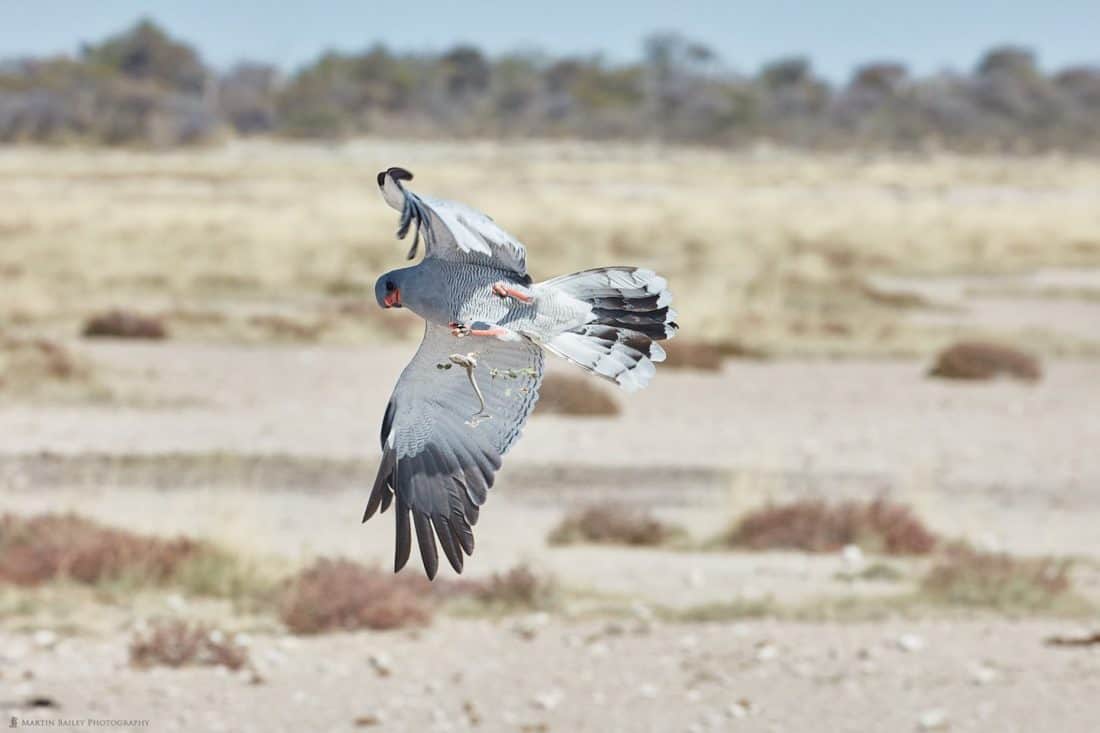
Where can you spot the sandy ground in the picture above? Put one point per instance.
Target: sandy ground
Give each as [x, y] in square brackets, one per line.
[622, 676]
[1003, 464]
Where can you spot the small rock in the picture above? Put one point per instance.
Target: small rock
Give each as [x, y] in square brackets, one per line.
[613, 628]
[598, 649]
[648, 691]
[367, 720]
[766, 651]
[473, 715]
[696, 579]
[529, 626]
[853, 558]
[982, 674]
[932, 720]
[738, 710]
[548, 700]
[45, 639]
[910, 642]
[381, 664]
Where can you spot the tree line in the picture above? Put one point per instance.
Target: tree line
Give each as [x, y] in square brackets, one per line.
[144, 87]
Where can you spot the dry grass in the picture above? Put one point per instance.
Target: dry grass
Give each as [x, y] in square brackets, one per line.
[41, 368]
[688, 354]
[614, 524]
[520, 588]
[973, 360]
[579, 396]
[283, 328]
[176, 643]
[336, 594]
[964, 576]
[49, 547]
[124, 324]
[774, 246]
[65, 547]
[813, 526]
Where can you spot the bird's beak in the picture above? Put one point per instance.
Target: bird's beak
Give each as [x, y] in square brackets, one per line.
[393, 300]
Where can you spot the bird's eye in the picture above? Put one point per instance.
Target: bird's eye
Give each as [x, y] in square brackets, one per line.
[389, 286]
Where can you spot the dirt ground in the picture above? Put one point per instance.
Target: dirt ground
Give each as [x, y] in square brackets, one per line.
[269, 450]
[622, 676]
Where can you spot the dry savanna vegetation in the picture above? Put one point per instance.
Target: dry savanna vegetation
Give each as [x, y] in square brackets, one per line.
[878, 526]
[771, 254]
[51, 553]
[614, 523]
[143, 85]
[979, 360]
[330, 594]
[179, 643]
[966, 577]
[69, 548]
[46, 369]
[335, 594]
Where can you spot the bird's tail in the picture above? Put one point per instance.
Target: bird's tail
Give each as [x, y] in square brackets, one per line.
[630, 313]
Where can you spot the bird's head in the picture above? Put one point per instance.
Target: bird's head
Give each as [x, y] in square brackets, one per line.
[389, 183]
[387, 290]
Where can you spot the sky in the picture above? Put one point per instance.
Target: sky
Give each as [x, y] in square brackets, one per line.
[927, 35]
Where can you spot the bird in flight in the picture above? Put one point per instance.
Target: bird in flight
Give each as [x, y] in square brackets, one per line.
[461, 402]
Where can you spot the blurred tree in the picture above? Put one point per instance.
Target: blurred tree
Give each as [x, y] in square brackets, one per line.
[142, 86]
[246, 98]
[147, 53]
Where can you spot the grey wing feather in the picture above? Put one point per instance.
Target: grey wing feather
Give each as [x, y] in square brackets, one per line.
[436, 461]
[454, 231]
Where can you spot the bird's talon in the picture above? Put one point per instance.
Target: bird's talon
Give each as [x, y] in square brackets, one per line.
[504, 290]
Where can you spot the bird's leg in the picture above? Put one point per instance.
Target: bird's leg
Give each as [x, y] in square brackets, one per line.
[509, 290]
[469, 363]
[481, 328]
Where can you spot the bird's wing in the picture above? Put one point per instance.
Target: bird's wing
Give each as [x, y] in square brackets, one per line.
[454, 231]
[439, 451]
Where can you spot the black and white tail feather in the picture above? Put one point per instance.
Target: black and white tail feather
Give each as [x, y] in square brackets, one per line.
[630, 313]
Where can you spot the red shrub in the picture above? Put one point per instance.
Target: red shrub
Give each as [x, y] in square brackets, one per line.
[178, 644]
[613, 523]
[41, 548]
[124, 324]
[813, 526]
[977, 360]
[335, 594]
